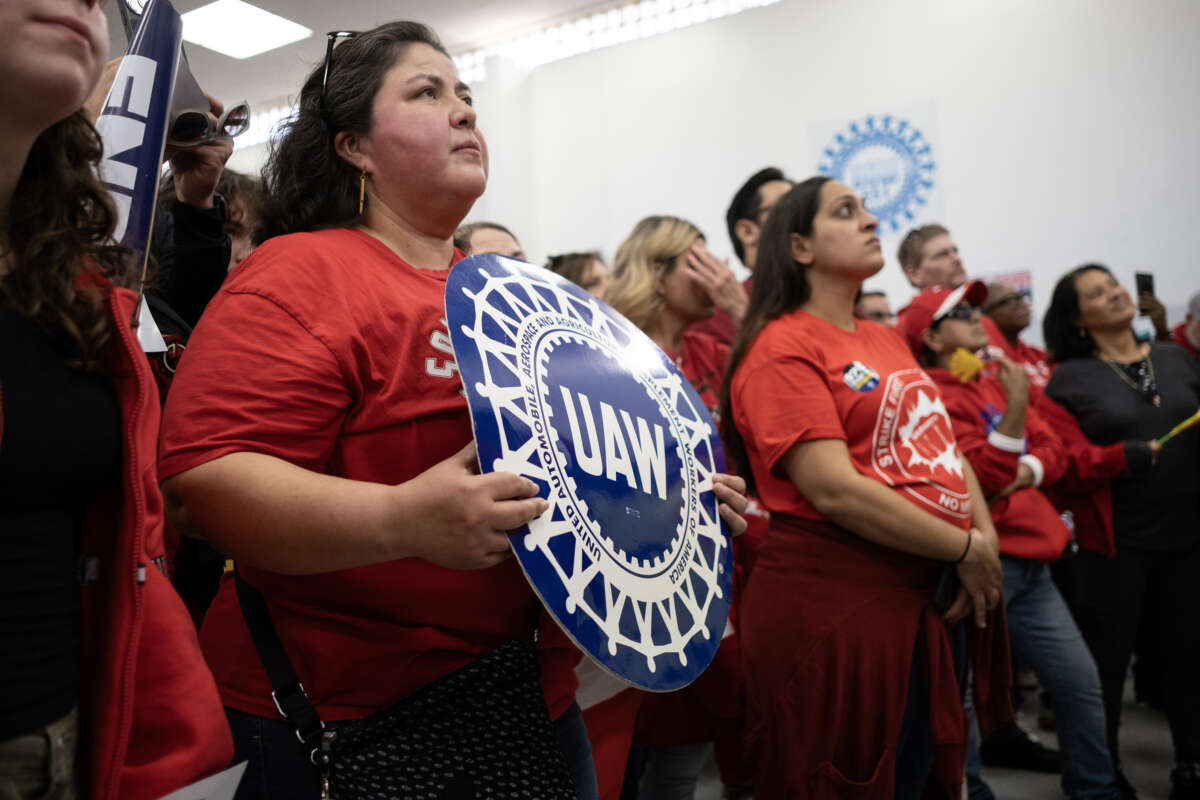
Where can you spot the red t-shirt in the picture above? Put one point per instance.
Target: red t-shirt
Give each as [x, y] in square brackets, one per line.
[702, 359]
[328, 351]
[1035, 360]
[804, 379]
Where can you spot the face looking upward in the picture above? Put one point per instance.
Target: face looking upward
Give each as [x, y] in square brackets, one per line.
[424, 158]
[843, 236]
[51, 56]
[1008, 309]
[950, 332]
[940, 265]
[1104, 304]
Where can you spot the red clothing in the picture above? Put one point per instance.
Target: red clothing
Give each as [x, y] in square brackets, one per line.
[829, 626]
[830, 620]
[1179, 334]
[327, 351]
[1084, 488]
[714, 703]
[1027, 524]
[1035, 360]
[806, 379]
[150, 718]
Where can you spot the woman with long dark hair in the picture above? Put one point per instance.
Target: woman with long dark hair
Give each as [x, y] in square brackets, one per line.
[1120, 390]
[98, 656]
[849, 669]
[317, 434]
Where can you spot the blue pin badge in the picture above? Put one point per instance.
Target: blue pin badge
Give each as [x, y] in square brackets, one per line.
[631, 557]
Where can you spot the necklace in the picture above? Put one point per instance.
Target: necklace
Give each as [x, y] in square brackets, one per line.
[1146, 384]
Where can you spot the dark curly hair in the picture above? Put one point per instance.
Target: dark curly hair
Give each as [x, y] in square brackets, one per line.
[780, 285]
[308, 185]
[60, 224]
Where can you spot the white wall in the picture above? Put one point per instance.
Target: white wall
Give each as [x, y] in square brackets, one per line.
[1067, 129]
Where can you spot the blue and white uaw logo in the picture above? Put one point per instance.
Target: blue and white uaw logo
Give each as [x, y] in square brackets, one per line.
[631, 557]
[886, 160]
[859, 377]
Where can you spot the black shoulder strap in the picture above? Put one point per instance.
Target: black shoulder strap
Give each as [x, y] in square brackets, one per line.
[289, 696]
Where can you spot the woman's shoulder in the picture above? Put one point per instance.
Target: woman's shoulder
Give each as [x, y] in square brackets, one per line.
[1072, 374]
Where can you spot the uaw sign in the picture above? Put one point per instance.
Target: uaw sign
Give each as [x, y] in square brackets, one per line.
[631, 557]
[133, 127]
[888, 158]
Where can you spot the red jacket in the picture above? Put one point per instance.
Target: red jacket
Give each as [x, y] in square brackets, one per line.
[1179, 334]
[151, 721]
[1026, 522]
[1084, 489]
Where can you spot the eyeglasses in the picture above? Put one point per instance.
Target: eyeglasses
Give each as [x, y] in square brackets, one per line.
[331, 40]
[1004, 301]
[962, 311]
[191, 128]
[880, 316]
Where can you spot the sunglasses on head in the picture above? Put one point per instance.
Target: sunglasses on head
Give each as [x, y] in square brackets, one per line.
[331, 39]
[190, 128]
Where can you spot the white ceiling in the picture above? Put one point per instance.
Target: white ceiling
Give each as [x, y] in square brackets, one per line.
[276, 75]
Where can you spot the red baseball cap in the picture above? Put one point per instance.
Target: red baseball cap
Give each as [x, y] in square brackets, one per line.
[932, 305]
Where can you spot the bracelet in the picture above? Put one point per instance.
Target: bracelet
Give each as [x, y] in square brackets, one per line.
[966, 549]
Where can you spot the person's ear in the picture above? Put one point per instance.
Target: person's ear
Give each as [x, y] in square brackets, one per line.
[747, 231]
[931, 340]
[910, 272]
[802, 249]
[351, 148]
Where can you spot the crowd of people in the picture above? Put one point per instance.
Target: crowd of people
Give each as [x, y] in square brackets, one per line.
[294, 551]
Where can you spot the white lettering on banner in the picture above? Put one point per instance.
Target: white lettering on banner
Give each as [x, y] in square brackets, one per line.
[648, 449]
[121, 130]
[440, 340]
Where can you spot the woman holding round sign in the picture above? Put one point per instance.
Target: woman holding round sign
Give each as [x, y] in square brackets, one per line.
[849, 670]
[318, 434]
[665, 280]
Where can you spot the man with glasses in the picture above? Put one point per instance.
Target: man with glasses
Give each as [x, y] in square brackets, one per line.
[875, 307]
[744, 220]
[1009, 310]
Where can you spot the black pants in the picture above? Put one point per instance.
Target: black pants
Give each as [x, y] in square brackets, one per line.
[1112, 598]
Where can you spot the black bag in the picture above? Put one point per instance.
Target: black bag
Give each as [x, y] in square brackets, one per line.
[480, 732]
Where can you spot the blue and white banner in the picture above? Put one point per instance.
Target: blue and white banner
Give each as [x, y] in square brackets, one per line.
[631, 557]
[890, 157]
[133, 126]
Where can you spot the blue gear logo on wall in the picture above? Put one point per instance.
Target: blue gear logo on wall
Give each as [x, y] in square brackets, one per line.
[631, 557]
[889, 162]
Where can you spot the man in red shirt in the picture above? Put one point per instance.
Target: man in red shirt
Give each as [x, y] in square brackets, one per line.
[744, 219]
[1013, 451]
[1010, 312]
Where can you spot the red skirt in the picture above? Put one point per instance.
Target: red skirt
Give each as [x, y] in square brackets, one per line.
[828, 630]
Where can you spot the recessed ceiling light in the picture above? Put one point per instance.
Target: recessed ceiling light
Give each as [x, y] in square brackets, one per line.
[239, 29]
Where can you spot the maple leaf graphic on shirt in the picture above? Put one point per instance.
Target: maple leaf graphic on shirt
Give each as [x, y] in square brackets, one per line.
[928, 442]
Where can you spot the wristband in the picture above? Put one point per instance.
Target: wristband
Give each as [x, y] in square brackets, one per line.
[966, 549]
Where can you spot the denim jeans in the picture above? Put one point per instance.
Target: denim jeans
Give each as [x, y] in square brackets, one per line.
[1044, 637]
[40, 765]
[280, 770]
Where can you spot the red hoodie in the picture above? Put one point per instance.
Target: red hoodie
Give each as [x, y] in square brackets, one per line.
[1026, 521]
[151, 720]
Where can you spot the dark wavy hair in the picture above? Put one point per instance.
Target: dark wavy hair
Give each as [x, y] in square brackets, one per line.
[1065, 338]
[60, 224]
[308, 186]
[780, 286]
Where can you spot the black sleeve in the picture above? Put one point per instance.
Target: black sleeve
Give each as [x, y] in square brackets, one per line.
[193, 256]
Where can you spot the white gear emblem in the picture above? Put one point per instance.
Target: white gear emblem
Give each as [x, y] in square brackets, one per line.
[651, 612]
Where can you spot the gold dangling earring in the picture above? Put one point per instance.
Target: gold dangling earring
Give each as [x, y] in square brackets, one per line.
[362, 191]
